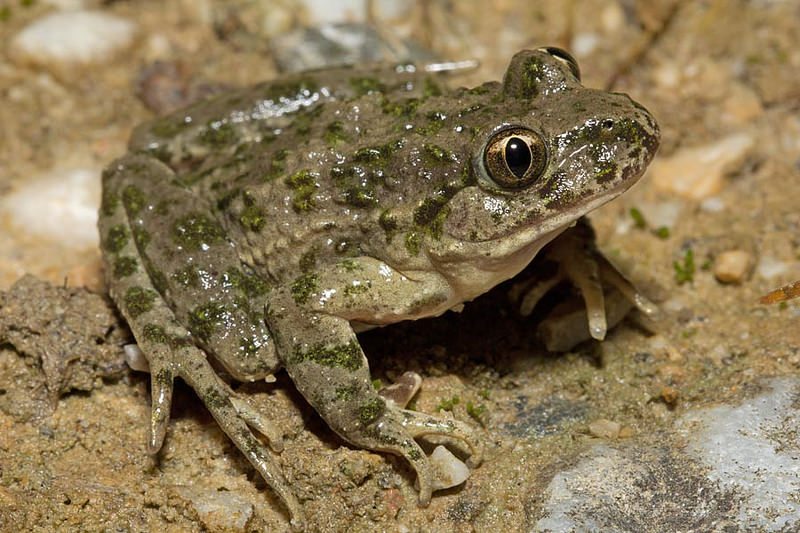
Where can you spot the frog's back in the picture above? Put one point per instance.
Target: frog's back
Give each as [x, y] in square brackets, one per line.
[322, 166]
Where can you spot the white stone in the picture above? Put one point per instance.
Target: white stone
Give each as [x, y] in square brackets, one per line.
[449, 471]
[769, 267]
[747, 449]
[61, 206]
[135, 358]
[698, 172]
[732, 266]
[73, 37]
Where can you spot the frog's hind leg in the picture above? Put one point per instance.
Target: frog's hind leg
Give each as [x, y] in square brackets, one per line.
[326, 363]
[143, 292]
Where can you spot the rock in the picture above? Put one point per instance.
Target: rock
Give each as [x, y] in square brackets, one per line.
[698, 173]
[73, 37]
[449, 471]
[732, 266]
[604, 429]
[69, 197]
[219, 510]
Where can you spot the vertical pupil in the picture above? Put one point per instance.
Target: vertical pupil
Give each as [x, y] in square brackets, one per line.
[518, 156]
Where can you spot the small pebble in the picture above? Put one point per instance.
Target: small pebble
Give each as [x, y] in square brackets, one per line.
[670, 395]
[732, 266]
[136, 358]
[605, 429]
[698, 173]
[73, 37]
[218, 510]
[449, 471]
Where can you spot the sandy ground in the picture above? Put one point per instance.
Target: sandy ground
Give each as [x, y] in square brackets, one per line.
[721, 77]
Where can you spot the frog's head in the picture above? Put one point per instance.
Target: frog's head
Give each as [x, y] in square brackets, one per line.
[558, 151]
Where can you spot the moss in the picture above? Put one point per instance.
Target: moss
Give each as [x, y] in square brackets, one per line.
[370, 410]
[303, 287]
[204, 319]
[533, 72]
[138, 301]
[194, 230]
[116, 238]
[347, 356]
[125, 266]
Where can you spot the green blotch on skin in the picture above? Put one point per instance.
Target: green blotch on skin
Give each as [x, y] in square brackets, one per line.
[430, 88]
[437, 155]
[254, 286]
[204, 319]
[225, 200]
[277, 165]
[376, 155]
[168, 127]
[154, 333]
[354, 289]
[134, 200]
[388, 222]
[194, 230]
[402, 108]
[370, 410]
[413, 243]
[116, 238]
[138, 301]
[360, 196]
[141, 237]
[334, 133]
[533, 72]
[307, 260]
[109, 202]
[346, 392]
[303, 287]
[125, 266]
[347, 356]
[253, 216]
[348, 265]
[248, 347]
[218, 135]
[606, 173]
[364, 85]
[188, 277]
[303, 183]
[426, 303]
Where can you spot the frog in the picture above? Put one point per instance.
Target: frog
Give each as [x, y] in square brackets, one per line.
[260, 230]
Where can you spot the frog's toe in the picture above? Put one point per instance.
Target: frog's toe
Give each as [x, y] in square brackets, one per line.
[161, 386]
[420, 425]
[259, 422]
[610, 275]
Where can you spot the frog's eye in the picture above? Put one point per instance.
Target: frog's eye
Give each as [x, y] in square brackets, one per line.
[515, 157]
[566, 58]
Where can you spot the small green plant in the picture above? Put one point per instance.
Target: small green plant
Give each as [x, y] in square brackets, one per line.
[685, 272]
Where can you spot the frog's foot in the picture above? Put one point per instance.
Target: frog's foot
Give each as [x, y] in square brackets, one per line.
[580, 263]
[395, 431]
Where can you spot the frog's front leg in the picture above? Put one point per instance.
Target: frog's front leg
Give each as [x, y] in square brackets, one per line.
[577, 260]
[310, 322]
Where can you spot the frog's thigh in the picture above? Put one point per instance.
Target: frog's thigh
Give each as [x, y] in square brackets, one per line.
[195, 268]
